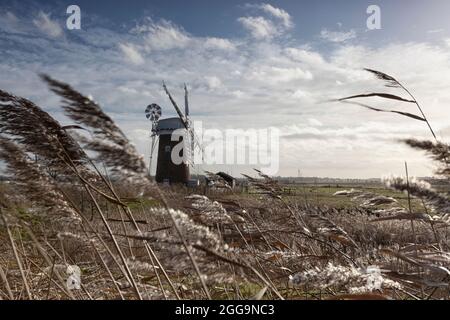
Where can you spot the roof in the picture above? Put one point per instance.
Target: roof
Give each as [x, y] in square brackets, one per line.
[225, 176]
[165, 126]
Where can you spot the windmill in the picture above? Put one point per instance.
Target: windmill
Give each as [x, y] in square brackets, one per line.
[167, 169]
[153, 113]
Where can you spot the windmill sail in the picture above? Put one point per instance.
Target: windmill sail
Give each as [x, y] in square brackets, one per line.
[186, 103]
[177, 109]
[191, 137]
[192, 140]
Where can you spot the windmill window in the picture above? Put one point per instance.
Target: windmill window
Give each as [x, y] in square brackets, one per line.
[167, 149]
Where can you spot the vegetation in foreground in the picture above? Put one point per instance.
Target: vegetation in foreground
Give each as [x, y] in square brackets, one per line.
[67, 214]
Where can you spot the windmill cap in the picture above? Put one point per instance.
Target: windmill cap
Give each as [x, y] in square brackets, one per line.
[168, 125]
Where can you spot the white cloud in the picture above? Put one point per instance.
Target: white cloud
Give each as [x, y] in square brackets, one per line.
[47, 25]
[315, 122]
[302, 96]
[278, 13]
[271, 74]
[305, 56]
[337, 36]
[8, 17]
[9, 22]
[219, 43]
[163, 35]
[259, 27]
[265, 28]
[213, 82]
[131, 53]
[435, 31]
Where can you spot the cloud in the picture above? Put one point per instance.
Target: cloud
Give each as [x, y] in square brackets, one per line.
[315, 122]
[278, 13]
[337, 36]
[47, 25]
[314, 129]
[213, 82]
[131, 53]
[435, 31]
[219, 43]
[266, 28]
[305, 56]
[8, 17]
[9, 22]
[274, 74]
[163, 35]
[259, 27]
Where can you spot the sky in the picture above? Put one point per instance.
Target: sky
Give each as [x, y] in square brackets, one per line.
[248, 65]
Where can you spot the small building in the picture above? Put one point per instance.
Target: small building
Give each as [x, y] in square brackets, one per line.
[193, 183]
[231, 181]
